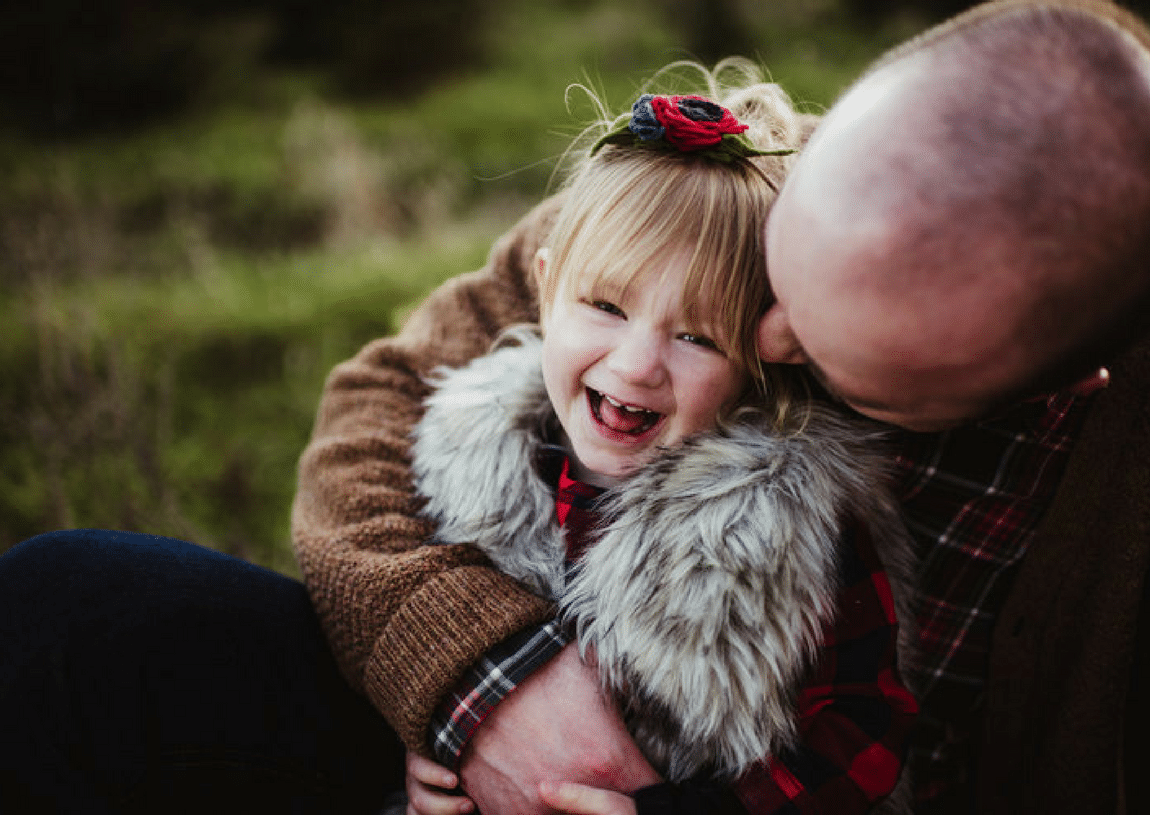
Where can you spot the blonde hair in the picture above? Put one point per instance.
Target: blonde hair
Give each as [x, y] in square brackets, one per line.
[626, 209]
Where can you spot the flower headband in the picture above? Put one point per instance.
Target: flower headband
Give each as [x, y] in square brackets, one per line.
[689, 124]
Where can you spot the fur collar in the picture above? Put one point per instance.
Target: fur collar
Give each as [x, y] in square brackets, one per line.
[704, 596]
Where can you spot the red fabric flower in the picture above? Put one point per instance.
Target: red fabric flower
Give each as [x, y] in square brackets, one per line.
[692, 122]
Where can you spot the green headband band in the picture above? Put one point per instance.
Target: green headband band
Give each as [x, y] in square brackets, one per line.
[686, 124]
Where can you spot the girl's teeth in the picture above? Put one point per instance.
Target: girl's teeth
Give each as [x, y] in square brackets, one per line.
[621, 406]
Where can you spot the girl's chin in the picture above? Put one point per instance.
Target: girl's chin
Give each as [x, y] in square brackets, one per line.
[605, 473]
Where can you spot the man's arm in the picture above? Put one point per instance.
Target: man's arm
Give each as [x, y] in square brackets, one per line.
[403, 619]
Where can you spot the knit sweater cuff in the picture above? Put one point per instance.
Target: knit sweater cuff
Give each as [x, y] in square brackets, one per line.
[443, 628]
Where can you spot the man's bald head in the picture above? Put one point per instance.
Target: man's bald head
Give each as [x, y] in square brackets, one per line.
[972, 219]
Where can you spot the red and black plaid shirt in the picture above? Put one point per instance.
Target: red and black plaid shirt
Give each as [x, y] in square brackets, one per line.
[854, 713]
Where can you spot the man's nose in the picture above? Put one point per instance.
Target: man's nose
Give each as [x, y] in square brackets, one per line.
[776, 341]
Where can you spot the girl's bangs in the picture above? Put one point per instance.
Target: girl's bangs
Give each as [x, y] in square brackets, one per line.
[630, 221]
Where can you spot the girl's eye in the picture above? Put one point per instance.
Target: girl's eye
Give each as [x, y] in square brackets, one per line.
[700, 340]
[610, 308]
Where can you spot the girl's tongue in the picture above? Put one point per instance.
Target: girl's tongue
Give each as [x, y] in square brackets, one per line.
[620, 419]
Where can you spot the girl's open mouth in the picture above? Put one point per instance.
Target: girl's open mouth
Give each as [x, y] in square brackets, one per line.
[619, 418]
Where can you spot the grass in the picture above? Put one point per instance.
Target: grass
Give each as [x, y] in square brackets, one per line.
[179, 404]
[172, 298]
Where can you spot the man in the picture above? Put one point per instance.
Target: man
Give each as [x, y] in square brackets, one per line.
[966, 230]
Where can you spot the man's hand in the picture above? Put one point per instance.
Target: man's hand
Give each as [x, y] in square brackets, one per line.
[557, 726]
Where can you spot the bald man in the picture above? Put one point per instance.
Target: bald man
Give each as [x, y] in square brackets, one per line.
[959, 251]
[971, 222]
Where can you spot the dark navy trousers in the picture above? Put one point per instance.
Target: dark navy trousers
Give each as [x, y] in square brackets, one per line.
[146, 674]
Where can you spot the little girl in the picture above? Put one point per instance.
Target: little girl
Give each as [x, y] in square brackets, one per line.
[706, 528]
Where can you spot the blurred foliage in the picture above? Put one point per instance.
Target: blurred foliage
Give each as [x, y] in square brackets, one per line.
[205, 205]
[73, 67]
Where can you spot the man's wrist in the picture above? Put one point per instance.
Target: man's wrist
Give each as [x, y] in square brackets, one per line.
[486, 683]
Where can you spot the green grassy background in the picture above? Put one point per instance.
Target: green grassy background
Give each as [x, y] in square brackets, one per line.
[172, 297]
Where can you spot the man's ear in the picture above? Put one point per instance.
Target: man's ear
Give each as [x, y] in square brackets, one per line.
[1090, 384]
[775, 341]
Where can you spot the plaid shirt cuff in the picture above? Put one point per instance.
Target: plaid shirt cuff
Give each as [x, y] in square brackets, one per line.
[486, 683]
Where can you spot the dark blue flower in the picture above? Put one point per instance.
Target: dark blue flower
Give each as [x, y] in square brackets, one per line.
[700, 110]
[644, 123]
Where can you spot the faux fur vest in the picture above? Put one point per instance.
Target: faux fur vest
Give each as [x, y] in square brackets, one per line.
[704, 594]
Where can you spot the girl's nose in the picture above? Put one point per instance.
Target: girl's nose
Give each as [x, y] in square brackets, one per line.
[639, 359]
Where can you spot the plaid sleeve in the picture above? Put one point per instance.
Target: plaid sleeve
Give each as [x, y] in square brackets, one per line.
[486, 683]
[855, 715]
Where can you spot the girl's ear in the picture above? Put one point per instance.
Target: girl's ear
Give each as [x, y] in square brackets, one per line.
[539, 266]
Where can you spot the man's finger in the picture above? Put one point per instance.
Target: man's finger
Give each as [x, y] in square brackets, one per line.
[579, 799]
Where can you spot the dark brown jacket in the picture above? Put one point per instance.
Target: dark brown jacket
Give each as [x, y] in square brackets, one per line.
[1058, 699]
